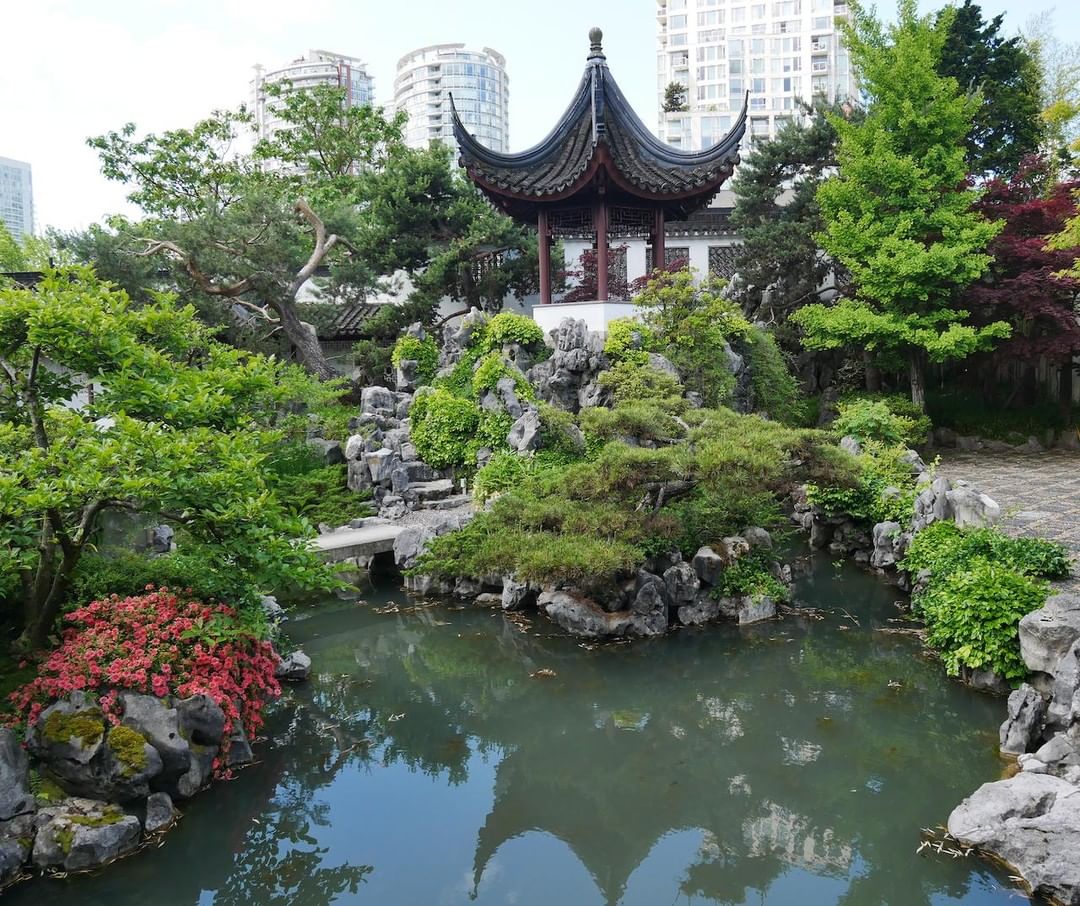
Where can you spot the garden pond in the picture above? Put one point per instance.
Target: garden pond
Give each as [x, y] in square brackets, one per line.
[450, 756]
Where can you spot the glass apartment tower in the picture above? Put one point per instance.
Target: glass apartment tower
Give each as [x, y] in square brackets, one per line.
[319, 67]
[427, 77]
[16, 197]
[780, 51]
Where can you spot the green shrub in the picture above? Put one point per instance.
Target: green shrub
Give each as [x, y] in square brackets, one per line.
[424, 352]
[750, 575]
[974, 613]
[776, 392]
[294, 457]
[630, 381]
[709, 514]
[492, 369]
[981, 583]
[321, 496]
[560, 441]
[886, 420]
[507, 327]
[628, 340]
[96, 577]
[641, 420]
[942, 548]
[442, 426]
[503, 472]
[491, 430]
[881, 469]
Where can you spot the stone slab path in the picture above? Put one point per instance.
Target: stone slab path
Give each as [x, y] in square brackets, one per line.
[1039, 493]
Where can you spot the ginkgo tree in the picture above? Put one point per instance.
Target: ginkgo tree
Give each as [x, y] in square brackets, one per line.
[898, 213]
[177, 427]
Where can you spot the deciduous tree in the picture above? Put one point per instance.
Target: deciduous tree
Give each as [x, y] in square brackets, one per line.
[177, 427]
[898, 213]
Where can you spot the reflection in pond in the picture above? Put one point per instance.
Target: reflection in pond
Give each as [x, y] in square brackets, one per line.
[435, 760]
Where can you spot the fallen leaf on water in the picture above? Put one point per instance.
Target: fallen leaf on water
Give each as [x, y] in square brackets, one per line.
[544, 673]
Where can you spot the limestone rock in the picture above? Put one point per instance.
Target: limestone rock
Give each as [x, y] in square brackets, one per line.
[15, 795]
[358, 476]
[381, 465]
[884, 553]
[517, 595]
[275, 613]
[758, 538]
[1047, 634]
[972, 509]
[1021, 728]
[732, 548]
[354, 446]
[377, 400]
[524, 434]
[583, 617]
[80, 834]
[755, 609]
[851, 445]
[159, 723]
[294, 668]
[682, 583]
[160, 813]
[16, 844]
[1032, 822]
[330, 450]
[708, 565]
[704, 609]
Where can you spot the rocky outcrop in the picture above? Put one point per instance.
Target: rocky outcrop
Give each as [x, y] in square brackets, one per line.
[79, 834]
[160, 813]
[295, 667]
[15, 796]
[568, 379]
[1032, 822]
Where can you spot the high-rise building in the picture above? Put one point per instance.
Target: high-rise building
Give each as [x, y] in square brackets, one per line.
[426, 78]
[319, 67]
[16, 197]
[780, 51]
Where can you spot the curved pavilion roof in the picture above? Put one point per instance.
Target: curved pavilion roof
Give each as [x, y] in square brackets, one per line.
[599, 146]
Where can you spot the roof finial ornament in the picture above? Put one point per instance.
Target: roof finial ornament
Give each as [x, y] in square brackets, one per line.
[596, 49]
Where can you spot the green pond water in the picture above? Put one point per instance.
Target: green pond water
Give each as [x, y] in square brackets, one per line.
[791, 762]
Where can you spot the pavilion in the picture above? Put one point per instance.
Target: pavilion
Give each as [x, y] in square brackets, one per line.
[599, 173]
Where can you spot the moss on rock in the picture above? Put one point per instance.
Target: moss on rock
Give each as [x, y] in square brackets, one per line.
[86, 726]
[129, 747]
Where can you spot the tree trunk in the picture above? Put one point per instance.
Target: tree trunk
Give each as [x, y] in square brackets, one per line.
[872, 373]
[306, 343]
[918, 379]
[42, 611]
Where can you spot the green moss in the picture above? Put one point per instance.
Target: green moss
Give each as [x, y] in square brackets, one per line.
[111, 815]
[65, 837]
[45, 788]
[86, 726]
[129, 746]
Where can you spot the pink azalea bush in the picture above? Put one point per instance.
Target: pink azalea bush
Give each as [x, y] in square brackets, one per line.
[158, 643]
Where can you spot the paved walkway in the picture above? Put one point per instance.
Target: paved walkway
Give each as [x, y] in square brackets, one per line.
[1039, 493]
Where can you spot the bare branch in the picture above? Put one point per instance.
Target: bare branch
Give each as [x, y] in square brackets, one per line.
[323, 244]
[229, 291]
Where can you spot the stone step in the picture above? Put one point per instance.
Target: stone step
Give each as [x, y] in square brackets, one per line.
[447, 503]
[422, 491]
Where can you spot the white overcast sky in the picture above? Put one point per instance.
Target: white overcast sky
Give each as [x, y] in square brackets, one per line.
[74, 68]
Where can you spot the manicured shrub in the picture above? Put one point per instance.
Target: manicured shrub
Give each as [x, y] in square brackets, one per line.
[160, 643]
[942, 548]
[887, 420]
[560, 441]
[628, 340]
[424, 352]
[508, 327]
[884, 490]
[442, 427]
[630, 381]
[640, 420]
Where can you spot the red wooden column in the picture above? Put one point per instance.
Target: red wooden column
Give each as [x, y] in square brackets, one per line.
[658, 240]
[543, 242]
[601, 252]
